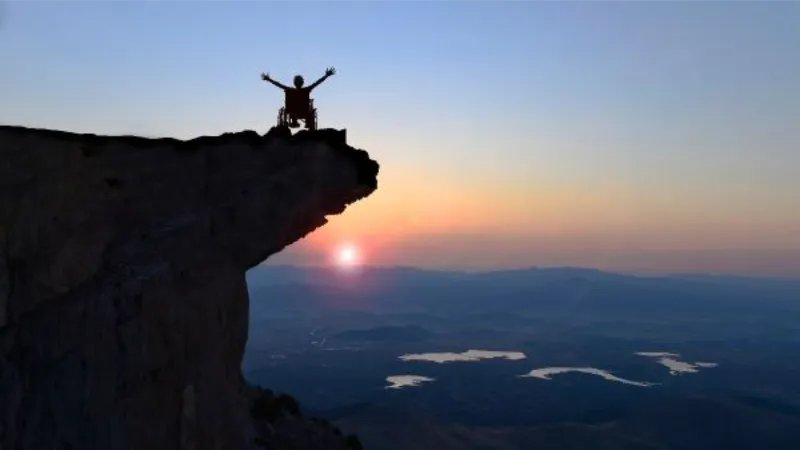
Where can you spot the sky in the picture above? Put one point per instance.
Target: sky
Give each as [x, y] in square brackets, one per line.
[632, 136]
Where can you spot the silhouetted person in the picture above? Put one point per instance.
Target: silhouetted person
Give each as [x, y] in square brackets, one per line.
[298, 98]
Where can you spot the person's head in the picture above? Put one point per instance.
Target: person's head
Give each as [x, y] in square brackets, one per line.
[298, 81]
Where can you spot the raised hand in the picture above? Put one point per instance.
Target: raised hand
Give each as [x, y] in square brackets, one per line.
[265, 77]
[330, 71]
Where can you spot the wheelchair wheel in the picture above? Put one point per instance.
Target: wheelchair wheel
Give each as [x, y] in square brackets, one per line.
[282, 117]
[312, 121]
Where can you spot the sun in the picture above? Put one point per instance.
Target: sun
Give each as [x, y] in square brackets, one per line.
[347, 256]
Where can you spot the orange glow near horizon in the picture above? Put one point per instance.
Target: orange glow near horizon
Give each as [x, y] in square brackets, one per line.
[418, 218]
[426, 212]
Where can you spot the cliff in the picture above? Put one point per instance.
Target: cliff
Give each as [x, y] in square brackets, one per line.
[123, 303]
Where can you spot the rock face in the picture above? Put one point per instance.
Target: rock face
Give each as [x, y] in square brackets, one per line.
[123, 303]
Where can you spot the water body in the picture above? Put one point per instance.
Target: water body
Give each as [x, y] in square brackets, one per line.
[547, 372]
[468, 356]
[401, 381]
[705, 365]
[675, 365]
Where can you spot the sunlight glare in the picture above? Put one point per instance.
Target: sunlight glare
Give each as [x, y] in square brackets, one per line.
[347, 256]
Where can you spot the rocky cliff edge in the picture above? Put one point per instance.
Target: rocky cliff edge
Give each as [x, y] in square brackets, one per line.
[123, 302]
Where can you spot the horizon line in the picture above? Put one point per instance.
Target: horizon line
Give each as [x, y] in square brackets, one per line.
[266, 265]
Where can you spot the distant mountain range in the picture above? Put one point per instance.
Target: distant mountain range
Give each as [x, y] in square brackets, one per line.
[269, 275]
[535, 291]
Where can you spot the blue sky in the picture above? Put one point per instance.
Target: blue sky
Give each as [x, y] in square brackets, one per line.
[599, 128]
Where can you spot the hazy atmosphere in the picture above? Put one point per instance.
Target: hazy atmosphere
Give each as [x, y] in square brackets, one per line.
[632, 136]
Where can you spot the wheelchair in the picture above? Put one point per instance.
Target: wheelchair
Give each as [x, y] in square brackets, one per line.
[293, 112]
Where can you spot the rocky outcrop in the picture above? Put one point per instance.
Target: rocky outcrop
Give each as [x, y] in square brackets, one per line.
[123, 303]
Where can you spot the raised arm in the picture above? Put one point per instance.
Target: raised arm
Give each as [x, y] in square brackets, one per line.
[328, 73]
[266, 77]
